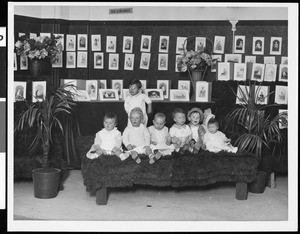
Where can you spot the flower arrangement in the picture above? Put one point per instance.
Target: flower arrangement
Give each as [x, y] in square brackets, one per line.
[40, 47]
[194, 60]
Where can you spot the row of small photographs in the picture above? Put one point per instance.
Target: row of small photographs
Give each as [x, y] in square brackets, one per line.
[263, 93]
[38, 90]
[260, 72]
[163, 47]
[162, 92]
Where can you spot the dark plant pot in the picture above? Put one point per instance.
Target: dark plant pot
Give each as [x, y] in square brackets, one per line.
[45, 182]
[259, 184]
[39, 67]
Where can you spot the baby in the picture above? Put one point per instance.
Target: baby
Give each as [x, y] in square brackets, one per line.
[160, 139]
[137, 99]
[180, 132]
[108, 140]
[136, 136]
[215, 140]
[195, 116]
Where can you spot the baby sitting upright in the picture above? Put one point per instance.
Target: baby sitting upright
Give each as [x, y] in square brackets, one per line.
[215, 140]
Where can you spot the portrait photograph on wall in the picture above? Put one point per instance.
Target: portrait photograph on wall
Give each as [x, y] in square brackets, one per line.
[145, 61]
[58, 62]
[23, 62]
[240, 71]
[70, 42]
[258, 72]
[181, 44]
[262, 94]
[239, 44]
[203, 91]
[270, 72]
[283, 73]
[108, 95]
[235, 58]
[275, 45]
[258, 45]
[163, 44]
[154, 94]
[200, 43]
[92, 88]
[82, 59]
[284, 60]
[163, 62]
[98, 60]
[223, 71]
[96, 42]
[269, 59]
[117, 85]
[102, 84]
[20, 90]
[111, 44]
[113, 62]
[281, 94]
[144, 84]
[60, 41]
[250, 59]
[216, 58]
[145, 43]
[179, 95]
[164, 85]
[129, 62]
[70, 60]
[219, 43]
[38, 91]
[184, 84]
[127, 44]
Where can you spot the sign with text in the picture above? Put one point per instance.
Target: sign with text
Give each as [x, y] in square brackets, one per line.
[2, 36]
[120, 11]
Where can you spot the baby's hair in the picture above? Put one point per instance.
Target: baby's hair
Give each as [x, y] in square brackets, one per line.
[111, 115]
[136, 82]
[160, 115]
[177, 110]
[137, 110]
[213, 121]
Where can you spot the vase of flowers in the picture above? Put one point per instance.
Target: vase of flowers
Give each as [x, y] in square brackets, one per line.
[42, 51]
[195, 63]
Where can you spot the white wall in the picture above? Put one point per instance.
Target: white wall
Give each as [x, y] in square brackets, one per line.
[88, 12]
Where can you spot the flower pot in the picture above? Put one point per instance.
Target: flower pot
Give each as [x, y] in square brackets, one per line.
[38, 67]
[196, 75]
[45, 182]
[259, 184]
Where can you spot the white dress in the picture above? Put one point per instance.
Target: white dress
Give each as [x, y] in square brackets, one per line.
[160, 137]
[181, 133]
[217, 142]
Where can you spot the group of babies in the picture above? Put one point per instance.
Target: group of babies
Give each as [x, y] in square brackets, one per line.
[157, 140]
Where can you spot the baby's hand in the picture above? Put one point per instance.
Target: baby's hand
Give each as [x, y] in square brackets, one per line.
[153, 143]
[129, 147]
[148, 150]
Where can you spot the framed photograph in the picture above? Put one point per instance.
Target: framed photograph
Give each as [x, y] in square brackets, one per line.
[250, 59]
[145, 43]
[91, 88]
[258, 45]
[262, 94]
[284, 60]
[108, 95]
[270, 72]
[125, 93]
[113, 62]
[164, 85]
[200, 43]
[239, 44]
[82, 42]
[269, 60]
[82, 96]
[241, 93]
[45, 34]
[71, 60]
[145, 61]
[129, 62]
[162, 62]
[223, 71]
[219, 44]
[281, 94]
[163, 44]
[127, 44]
[154, 94]
[15, 62]
[236, 58]
[240, 71]
[258, 72]
[70, 42]
[81, 59]
[33, 35]
[111, 44]
[184, 85]
[283, 114]
[179, 45]
[102, 84]
[20, 90]
[203, 91]
[21, 34]
[176, 59]
[144, 85]
[96, 42]
[38, 91]
[179, 95]
[58, 61]
[118, 85]
[61, 40]
[98, 60]
[23, 62]
[216, 58]
[283, 73]
[275, 45]
[71, 89]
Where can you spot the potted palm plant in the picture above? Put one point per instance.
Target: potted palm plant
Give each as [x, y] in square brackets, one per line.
[45, 116]
[251, 129]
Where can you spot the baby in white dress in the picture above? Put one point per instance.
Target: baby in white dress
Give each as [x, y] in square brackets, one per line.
[108, 140]
[215, 140]
[160, 139]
